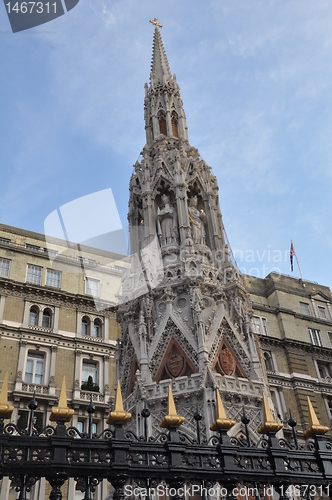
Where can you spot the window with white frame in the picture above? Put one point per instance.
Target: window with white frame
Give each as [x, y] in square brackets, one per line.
[86, 326]
[305, 308]
[97, 326]
[34, 274]
[322, 312]
[47, 318]
[53, 278]
[324, 370]
[259, 325]
[268, 361]
[33, 316]
[89, 369]
[34, 368]
[330, 337]
[4, 268]
[315, 337]
[92, 287]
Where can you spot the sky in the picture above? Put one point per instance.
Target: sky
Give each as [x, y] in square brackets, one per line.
[256, 83]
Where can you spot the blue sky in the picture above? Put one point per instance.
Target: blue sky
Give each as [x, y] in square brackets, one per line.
[256, 82]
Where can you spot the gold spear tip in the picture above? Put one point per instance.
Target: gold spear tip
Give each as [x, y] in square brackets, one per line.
[270, 426]
[172, 419]
[118, 415]
[221, 422]
[5, 409]
[314, 429]
[62, 412]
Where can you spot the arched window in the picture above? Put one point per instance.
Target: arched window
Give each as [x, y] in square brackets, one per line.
[33, 316]
[97, 328]
[162, 123]
[85, 326]
[47, 318]
[174, 121]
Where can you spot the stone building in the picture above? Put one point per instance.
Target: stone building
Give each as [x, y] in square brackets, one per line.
[56, 319]
[293, 320]
[186, 316]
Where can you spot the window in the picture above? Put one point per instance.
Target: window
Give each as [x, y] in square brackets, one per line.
[90, 377]
[34, 369]
[97, 328]
[305, 309]
[6, 241]
[324, 370]
[89, 370]
[330, 337]
[92, 287]
[53, 278]
[256, 323]
[34, 274]
[85, 326]
[4, 268]
[47, 318]
[322, 312]
[260, 325]
[268, 362]
[33, 316]
[315, 337]
[32, 247]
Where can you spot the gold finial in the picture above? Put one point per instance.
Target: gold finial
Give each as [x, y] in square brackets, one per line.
[5, 409]
[62, 412]
[155, 23]
[118, 415]
[314, 429]
[172, 419]
[269, 424]
[221, 422]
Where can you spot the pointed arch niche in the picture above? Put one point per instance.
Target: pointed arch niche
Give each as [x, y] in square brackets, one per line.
[162, 122]
[225, 363]
[175, 363]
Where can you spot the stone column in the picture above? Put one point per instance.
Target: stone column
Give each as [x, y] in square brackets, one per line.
[20, 366]
[52, 370]
[77, 377]
[2, 305]
[106, 376]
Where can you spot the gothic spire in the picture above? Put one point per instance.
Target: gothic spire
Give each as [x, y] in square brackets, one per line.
[160, 72]
[163, 107]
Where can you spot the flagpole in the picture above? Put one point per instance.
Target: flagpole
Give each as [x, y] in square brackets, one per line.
[297, 260]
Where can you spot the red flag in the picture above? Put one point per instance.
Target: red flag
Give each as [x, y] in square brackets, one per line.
[291, 255]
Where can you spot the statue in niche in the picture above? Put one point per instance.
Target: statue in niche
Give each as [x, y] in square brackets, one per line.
[197, 219]
[166, 222]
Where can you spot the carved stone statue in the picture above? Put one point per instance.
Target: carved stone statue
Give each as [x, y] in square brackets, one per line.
[197, 219]
[166, 222]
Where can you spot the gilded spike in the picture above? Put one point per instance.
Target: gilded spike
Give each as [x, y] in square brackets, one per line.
[314, 429]
[62, 412]
[172, 419]
[118, 415]
[269, 424]
[5, 409]
[221, 422]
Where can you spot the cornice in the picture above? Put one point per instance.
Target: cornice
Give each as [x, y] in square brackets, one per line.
[56, 297]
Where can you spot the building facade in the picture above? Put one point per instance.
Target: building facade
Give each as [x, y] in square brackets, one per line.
[56, 319]
[293, 321]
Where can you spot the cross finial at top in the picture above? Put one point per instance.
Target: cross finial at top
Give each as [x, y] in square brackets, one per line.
[155, 23]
